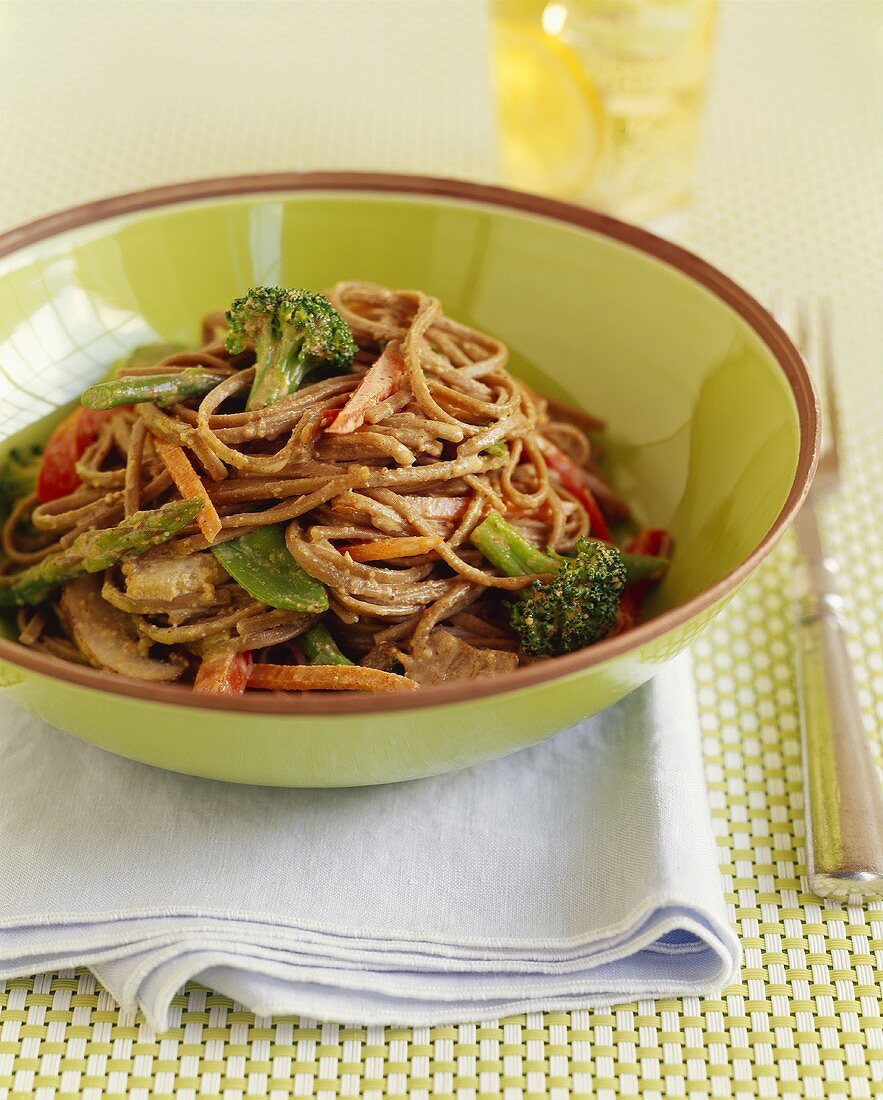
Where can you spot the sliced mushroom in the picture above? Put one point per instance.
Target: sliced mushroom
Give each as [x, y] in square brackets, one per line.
[108, 637]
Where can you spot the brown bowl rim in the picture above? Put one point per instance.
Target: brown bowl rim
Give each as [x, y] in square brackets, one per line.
[673, 255]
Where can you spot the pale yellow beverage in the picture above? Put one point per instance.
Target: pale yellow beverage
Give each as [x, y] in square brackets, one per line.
[600, 101]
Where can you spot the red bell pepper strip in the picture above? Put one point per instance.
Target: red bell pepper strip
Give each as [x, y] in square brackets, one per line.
[381, 381]
[224, 673]
[629, 611]
[58, 476]
[652, 541]
[656, 543]
[572, 480]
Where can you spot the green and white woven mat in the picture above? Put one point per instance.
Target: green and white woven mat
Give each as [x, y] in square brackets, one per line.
[787, 200]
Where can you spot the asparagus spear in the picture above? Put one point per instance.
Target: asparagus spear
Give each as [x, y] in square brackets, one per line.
[96, 550]
[161, 389]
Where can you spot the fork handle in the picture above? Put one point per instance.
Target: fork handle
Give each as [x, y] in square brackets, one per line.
[845, 799]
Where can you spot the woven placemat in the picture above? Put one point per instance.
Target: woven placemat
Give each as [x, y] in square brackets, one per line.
[787, 201]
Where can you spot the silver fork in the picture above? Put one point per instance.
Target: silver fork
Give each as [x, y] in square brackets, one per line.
[844, 799]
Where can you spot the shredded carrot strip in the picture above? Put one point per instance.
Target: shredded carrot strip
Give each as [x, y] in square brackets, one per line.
[381, 381]
[327, 678]
[189, 485]
[411, 546]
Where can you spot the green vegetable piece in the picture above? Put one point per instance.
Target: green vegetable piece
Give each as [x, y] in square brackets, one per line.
[319, 647]
[576, 607]
[162, 389]
[496, 450]
[96, 550]
[641, 567]
[294, 332]
[572, 610]
[507, 551]
[19, 475]
[261, 563]
[513, 556]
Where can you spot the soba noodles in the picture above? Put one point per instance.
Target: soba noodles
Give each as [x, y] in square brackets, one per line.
[370, 484]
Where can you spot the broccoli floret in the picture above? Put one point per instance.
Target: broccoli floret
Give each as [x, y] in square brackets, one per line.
[293, 332]
[574, 608]
[18, 476]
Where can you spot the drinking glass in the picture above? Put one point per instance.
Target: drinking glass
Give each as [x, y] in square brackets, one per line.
[600, 101]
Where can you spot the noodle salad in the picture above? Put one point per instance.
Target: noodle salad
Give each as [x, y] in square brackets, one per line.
[341, 492]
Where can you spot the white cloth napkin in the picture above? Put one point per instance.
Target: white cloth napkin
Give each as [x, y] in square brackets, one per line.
[580, 871]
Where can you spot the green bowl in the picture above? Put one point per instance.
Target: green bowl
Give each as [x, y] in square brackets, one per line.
[713, 430]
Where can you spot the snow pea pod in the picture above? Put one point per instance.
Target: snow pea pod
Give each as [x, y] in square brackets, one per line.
[261, 563]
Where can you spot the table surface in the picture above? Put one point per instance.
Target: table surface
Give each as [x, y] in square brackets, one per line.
[787, 199]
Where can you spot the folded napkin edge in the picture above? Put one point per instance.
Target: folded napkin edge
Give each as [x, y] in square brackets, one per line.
[626, 926]
[206, 956]
[432, 1014]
